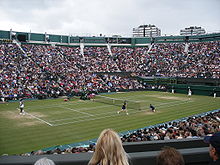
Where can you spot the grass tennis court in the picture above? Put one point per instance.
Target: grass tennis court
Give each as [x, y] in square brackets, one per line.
[54, 122]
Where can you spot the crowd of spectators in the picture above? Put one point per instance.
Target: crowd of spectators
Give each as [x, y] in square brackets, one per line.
[197, 60]
[193, 127]
[15, 71]
[98, 59]
[47, 71]
[130, 59]
[42, 71]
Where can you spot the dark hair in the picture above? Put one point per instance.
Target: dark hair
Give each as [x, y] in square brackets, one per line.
[170, 156]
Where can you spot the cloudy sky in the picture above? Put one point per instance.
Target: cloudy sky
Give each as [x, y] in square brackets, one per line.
[107, 17]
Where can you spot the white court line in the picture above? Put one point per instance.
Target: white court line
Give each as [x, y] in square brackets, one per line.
[79, 117]
[184, 99]
[99, 114]
[71, 109]
[54, 105]
[39, 119]
[134, 112]
[84, 116]
[181, 101]
[155, 102]
[96, 107]
[171, 105]
[160, 105]
[90, 119]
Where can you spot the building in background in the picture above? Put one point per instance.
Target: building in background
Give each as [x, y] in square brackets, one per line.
[192, 30]
[146, 31]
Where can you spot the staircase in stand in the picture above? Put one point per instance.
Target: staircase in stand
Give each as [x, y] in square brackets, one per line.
[109, 49]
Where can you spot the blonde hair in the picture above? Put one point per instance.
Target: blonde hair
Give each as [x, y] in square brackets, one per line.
[109, 150]
[44, 161]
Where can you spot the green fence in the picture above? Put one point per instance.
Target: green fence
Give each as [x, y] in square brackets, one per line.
[116, 40]
[196, 89]
[37, 37]
[4, 34]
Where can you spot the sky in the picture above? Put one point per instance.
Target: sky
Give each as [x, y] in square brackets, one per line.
[107, 17]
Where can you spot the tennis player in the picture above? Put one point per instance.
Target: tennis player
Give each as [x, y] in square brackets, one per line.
[153, 109]
[21, 105]
[124, 108]
[189, 94]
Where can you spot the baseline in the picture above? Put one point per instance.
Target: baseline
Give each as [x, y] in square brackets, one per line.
[39, 119]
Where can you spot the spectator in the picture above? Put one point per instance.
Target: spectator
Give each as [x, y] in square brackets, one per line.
[109, 150]
[170, 156]
[214, 147]
[44, 161]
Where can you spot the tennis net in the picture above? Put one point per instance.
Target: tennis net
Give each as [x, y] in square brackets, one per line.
[118, 102]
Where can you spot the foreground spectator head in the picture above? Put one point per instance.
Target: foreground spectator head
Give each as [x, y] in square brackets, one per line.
[44, 161]
[109, 150]
[170, 156]
[214, 146]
